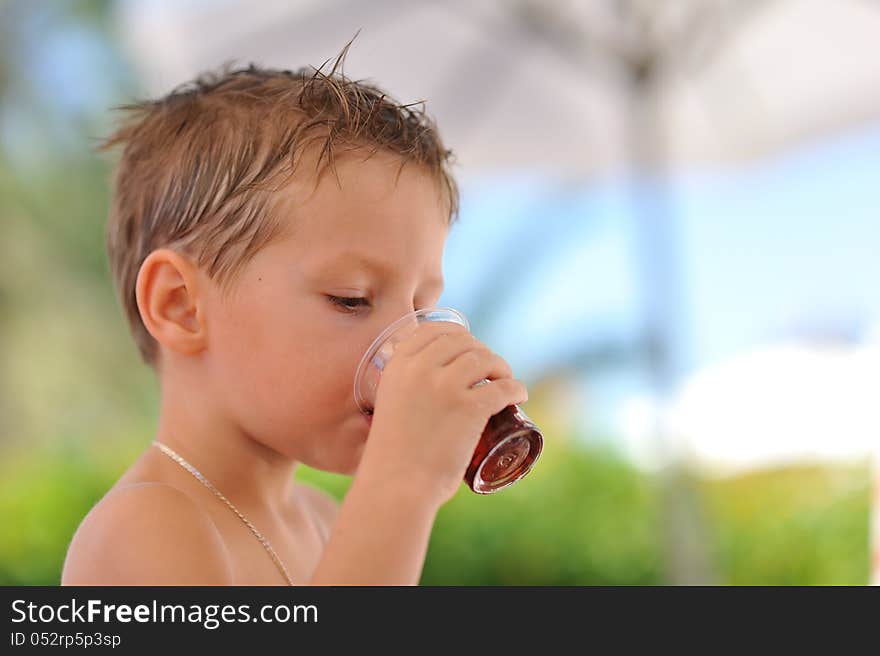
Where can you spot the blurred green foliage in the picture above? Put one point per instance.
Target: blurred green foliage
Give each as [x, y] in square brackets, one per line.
[805, 525]
[44, 494]
[582, 517]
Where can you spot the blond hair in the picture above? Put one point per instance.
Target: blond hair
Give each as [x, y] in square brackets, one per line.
[199, 165]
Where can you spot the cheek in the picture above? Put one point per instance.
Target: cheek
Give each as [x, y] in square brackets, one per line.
[286, 371]
[280, 363]
[251, 350]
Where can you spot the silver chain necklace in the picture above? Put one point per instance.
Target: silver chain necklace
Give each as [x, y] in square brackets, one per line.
[168, 451]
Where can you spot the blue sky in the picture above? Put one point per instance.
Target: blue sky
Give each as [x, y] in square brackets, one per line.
[784, 243]
[788, 243]
[783, 248]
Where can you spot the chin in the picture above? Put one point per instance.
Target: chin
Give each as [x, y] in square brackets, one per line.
[354, 462]
[347, 459]
[343, 470]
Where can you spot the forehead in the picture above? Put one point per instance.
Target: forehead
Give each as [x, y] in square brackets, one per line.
[380, 180]
[378, 217]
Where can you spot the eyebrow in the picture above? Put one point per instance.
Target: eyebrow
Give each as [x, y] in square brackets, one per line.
[376, 266]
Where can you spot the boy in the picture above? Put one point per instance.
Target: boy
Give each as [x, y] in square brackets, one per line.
[266, 226]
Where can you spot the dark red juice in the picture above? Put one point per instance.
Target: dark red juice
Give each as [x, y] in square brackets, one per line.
[507, 449]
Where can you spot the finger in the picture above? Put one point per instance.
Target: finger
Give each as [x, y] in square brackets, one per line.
[426, 333]
[445, 348]
[477, 364]
[498, 394]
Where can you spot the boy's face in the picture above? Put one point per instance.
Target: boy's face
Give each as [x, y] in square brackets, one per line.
[281, 353]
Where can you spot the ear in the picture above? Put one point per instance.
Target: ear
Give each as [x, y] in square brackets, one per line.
[167, 290]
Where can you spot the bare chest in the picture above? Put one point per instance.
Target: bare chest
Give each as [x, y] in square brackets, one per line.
[298, 545]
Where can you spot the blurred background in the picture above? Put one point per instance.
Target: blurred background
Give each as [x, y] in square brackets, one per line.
[668, 228]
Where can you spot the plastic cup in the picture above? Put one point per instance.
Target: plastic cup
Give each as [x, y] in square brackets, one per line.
[510, 443]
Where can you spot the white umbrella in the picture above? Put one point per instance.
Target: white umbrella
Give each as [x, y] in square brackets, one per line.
[549, 84]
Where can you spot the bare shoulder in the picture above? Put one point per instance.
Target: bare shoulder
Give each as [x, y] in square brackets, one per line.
[325, 505]
[147, 534]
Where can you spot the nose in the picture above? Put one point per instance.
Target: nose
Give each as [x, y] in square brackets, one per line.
[399, 319]
[397, 312]
[402, 318]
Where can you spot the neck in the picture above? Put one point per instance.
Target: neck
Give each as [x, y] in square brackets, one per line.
[246, 471]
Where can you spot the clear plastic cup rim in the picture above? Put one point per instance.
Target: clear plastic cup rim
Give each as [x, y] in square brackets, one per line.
[370, 353]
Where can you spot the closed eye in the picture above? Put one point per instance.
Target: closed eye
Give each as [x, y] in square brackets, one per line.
[348, 304]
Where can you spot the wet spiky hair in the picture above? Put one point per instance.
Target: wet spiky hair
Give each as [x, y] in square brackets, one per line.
[199, 165]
